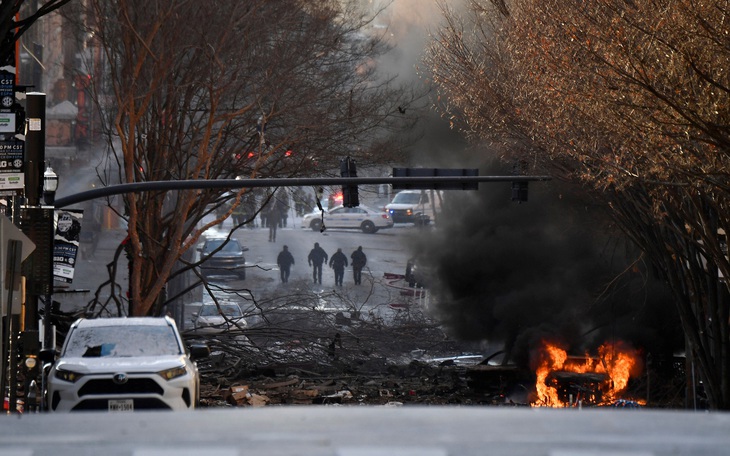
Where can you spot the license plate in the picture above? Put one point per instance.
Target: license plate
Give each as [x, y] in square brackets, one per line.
[121, 405]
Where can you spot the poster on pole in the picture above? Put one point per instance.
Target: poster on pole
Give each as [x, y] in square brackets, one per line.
[12, 174]
[66, 243]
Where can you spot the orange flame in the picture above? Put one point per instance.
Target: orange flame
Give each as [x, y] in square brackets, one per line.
[615, 365]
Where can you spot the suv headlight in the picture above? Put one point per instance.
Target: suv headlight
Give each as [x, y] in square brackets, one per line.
[67, 375]
[175, 372]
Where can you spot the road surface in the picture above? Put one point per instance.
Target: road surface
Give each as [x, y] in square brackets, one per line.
[370, 431]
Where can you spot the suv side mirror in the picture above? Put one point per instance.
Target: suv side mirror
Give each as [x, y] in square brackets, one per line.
[198, 351]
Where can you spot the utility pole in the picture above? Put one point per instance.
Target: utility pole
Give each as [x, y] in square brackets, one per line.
[34, 223]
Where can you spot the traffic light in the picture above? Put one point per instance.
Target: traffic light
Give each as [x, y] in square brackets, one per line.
[519, 191]
[519, 188]
[350, 197]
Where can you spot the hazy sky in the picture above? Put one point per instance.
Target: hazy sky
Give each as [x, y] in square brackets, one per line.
[407, 24]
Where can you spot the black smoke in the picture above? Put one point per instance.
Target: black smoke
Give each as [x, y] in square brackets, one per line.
[552, 268]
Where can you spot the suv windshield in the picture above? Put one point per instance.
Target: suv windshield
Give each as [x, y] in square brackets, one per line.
[229, 310]
[231, 246]
[122, 341]
[407, 198]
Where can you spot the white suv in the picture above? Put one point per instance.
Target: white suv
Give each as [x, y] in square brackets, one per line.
[414, 206]
[125, 364]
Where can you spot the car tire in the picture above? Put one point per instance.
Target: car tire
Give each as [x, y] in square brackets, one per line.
[368, 227]
[316, 225]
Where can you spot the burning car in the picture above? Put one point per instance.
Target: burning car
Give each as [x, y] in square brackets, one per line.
[566, 381]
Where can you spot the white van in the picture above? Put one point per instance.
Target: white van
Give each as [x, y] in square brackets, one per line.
[414, 206]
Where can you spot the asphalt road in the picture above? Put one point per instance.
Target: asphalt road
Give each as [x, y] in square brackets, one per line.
[386, 250]
[370, 431]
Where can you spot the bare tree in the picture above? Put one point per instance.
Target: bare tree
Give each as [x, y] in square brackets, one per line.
[27, 13]
[630, 99]
[207, 91]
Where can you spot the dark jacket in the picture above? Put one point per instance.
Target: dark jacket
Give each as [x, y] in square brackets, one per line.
[359, 260]
[285, 259]
[317, 256]
[338, 260]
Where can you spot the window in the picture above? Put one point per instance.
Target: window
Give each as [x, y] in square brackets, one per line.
[122, 341]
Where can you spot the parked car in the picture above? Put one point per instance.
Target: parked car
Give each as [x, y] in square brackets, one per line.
[222, 258]
[413, 206]
[362, 218]
[211, 319]
[125, 364]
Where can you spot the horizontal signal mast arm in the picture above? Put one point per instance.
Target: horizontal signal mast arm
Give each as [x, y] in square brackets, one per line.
[201, 184]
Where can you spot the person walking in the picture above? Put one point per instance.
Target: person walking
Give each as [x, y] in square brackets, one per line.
[338, 262]
[239, 214]
[273, 218]
[316, 257]
[285, 260]
[282, 205]
[359, 260]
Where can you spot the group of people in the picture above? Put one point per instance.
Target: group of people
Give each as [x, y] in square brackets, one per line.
[318, 257]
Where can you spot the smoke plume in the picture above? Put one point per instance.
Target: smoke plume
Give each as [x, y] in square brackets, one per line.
[552, 267]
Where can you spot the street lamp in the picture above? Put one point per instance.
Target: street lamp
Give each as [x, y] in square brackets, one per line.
[50, 185]
[48, 350]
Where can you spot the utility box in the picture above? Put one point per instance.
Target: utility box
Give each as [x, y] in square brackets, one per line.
[37, 224]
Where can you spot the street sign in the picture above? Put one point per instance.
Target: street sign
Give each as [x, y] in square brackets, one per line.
[7, 122]
[66, 243]
[12, 175]
[435, 172]
[7, 89]
[9, 232]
